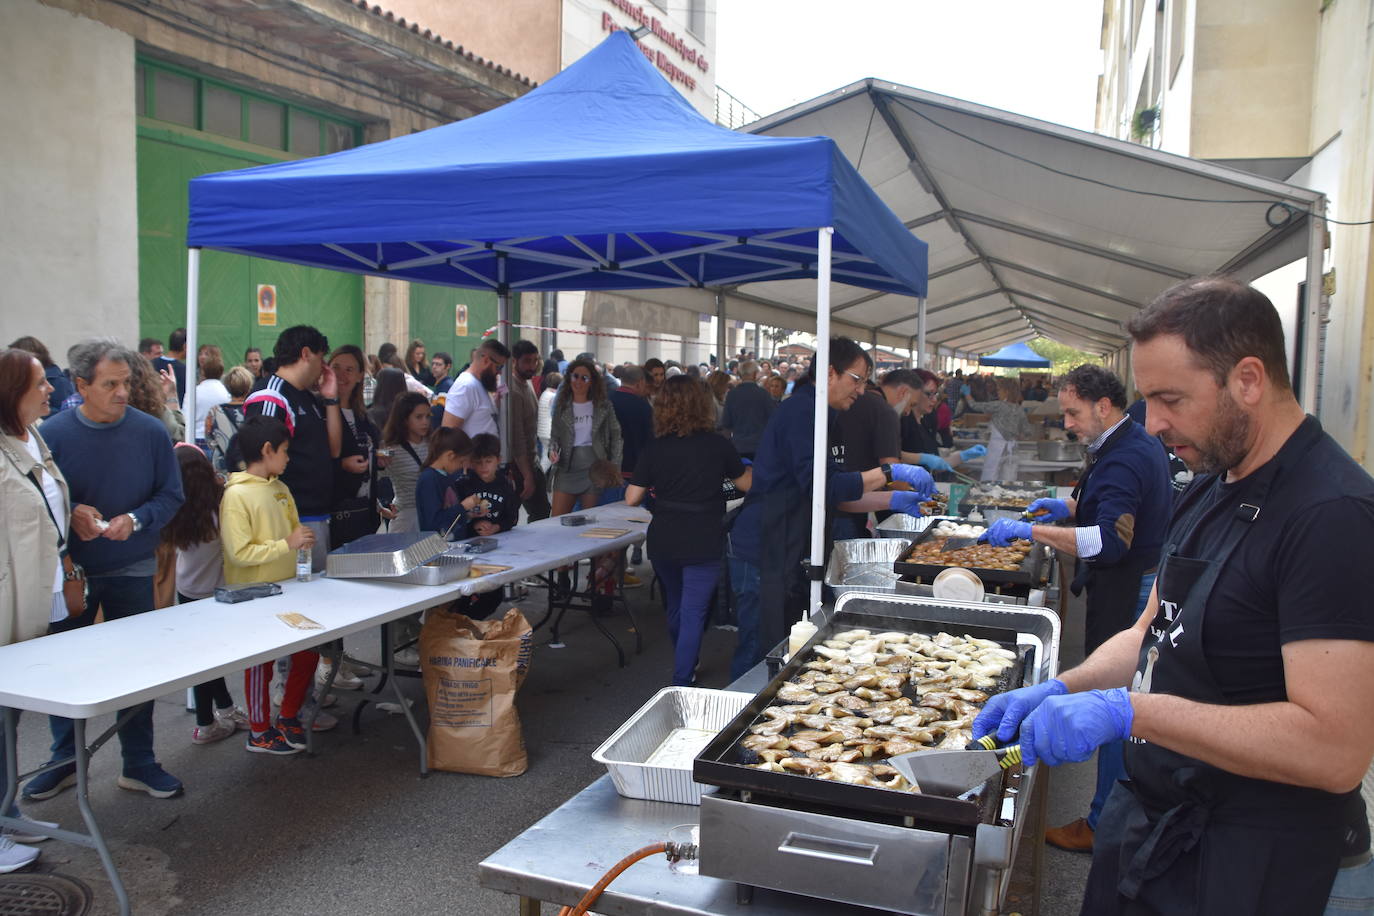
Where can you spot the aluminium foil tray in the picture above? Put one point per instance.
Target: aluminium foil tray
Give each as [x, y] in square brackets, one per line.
[865, 565]
[626, 752]
[384, 556]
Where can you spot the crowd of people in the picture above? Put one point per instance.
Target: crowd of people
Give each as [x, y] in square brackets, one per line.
[1224, 638]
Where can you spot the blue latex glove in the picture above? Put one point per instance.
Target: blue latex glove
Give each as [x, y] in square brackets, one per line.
[977, 451]
[745, 461]
[1057, 508]
[906, 501]
[919, 478]
[1006, 530]
[932, 463]
[1005, 711]
[1067, 729]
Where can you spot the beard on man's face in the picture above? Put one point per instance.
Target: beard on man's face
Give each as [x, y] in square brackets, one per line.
[488, 379]
[1227, 441]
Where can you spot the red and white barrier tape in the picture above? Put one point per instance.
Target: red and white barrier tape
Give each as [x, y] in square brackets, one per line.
[537, 327]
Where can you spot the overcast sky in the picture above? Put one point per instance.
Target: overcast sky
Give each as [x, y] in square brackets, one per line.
[1037, 59]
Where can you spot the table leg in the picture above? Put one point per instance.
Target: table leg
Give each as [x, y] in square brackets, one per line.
[410, 716]
[335, 654]
[548, 612]
[83, 802]
[11, 759]
[530, 907]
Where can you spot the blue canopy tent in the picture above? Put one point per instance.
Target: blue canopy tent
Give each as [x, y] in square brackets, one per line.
[604, 178]
[1017, 355]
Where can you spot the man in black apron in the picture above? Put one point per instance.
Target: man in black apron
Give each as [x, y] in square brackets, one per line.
[1118, 514]
[772, 534]
[1251, 672]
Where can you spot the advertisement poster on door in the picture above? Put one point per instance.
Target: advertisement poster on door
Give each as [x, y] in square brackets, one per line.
[460, 320]
[267, 306]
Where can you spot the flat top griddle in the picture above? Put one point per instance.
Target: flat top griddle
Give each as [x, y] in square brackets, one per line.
[1030, 572]
[719, 763]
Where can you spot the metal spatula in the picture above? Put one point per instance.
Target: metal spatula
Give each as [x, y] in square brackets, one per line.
[954, 772]
[957, 544]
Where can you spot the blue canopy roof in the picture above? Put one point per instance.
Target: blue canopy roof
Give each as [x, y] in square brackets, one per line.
[1017, 355]
[602, 178]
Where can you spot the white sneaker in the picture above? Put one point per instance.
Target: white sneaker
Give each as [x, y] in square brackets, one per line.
[278, 693]
[328, 701]
[235, 716]
[323, 722]
[408, 657]
[343, 680]
[19, 836]
[14, 857]
[217, 730]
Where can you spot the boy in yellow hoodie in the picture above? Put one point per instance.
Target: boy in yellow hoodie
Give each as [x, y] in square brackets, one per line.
[261, 533]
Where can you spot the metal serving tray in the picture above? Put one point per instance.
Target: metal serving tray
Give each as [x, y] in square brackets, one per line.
[626, 752]
[445, 568]
[865, 565]
[1030, 572]
[384, 555]
[719, 763]
[901, 525]
[978, 497]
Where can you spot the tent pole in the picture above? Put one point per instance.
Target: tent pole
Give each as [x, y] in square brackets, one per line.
[911, 351]
[503, 335]
[192, 345]
[820, 432]
[1311, 316]
[921, 332]
[720, 331]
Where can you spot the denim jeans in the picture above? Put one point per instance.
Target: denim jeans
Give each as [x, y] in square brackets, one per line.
[1111, 764]
[744, 582]
[687, 590]
[1352, 892]
[120, 596]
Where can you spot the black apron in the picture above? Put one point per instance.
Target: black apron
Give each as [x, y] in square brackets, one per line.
[784, 552]
[1186, 837]
[1113, 591]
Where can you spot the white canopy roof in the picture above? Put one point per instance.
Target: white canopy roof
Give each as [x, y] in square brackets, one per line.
[1034, 228]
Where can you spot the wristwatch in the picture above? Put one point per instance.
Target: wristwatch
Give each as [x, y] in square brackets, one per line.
[887, 471]
[138, 526]
[331, 402]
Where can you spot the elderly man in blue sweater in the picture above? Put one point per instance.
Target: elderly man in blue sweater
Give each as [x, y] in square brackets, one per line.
[125, 487]
[1117, 517]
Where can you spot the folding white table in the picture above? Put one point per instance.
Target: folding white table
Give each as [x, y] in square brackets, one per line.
[69, 674]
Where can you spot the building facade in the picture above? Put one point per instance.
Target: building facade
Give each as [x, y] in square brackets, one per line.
[1280, 88]
[111, 108]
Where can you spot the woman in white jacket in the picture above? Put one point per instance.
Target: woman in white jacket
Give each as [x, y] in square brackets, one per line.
[34, 536]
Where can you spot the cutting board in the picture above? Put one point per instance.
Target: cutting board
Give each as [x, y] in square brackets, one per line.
[485, 569]
[605, 533]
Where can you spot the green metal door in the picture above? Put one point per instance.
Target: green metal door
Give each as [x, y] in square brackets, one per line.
[433, 319]
[167, 159]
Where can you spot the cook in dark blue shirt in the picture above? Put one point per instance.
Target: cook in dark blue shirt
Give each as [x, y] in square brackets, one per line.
[773, 531]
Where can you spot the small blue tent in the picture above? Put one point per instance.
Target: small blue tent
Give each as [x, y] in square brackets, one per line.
[603, 178]
[1016, 355]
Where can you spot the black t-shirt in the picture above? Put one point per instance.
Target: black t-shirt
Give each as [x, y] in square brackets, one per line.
[869, 431]
[686, 474]
[309, 474]
[360, 437]
[503, 502]
[917, 437]
[1298, 574]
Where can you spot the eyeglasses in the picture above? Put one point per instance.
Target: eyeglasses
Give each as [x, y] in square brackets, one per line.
[858, 378]
[929, 392]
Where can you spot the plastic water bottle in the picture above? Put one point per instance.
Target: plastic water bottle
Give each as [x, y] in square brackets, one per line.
[303, 564]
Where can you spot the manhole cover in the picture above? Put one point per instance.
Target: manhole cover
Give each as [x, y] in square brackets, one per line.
[43, 895]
